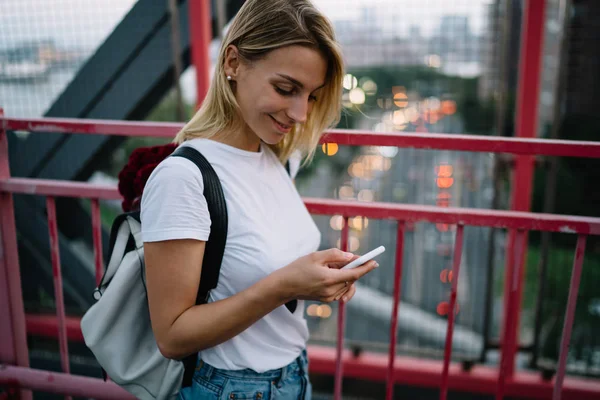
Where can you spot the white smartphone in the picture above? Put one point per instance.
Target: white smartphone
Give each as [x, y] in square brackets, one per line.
[364, 258]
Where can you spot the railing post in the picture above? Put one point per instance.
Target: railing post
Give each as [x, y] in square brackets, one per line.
[517, 261]
[457, 258]
[341, 325]
[390, 381]
[97, 238]
[569, 316]
[526, 127]
[7, 347]
[200, 36]
[13, 346]
[59, 300]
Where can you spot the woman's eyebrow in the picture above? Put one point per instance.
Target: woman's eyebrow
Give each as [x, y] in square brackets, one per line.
[297, 82]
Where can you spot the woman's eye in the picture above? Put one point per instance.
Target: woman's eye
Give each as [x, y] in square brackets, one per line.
[283, 92]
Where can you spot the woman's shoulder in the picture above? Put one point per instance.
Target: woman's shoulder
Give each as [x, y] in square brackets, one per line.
[173, 179]
[175, 170]
[173, 204]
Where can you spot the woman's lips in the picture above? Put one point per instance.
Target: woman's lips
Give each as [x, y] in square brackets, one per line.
[281, 127]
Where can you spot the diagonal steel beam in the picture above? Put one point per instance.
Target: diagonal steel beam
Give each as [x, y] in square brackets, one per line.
[127, 76]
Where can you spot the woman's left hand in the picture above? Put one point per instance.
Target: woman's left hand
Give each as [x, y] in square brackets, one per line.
[349, 294]
[346, 293]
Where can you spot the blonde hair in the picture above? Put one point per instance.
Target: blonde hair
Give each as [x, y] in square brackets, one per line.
[259, 27]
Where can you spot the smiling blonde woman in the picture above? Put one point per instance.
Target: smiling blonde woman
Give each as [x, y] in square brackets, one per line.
[277, 86]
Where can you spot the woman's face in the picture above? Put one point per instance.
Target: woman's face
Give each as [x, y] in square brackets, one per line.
[276, 92]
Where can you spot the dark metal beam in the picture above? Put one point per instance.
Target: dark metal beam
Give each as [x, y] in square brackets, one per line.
[90, 85]
[124, 79]
[127, 76]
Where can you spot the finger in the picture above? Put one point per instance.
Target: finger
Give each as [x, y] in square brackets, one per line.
[344, 287]
[350, 294]
[338, 265]
[355, 274]
[333, 256]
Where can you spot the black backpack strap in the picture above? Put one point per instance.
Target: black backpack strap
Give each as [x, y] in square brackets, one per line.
[292, 304]
[119, 220]
[215, 246]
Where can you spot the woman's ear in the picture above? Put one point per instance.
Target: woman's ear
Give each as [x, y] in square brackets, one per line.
[232, 62]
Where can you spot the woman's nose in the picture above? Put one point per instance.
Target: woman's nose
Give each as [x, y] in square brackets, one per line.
[298, 110]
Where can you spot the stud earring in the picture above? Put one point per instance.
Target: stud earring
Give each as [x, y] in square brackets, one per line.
[228, 77]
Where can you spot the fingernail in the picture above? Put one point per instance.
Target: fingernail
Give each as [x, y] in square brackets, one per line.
[344, 299]
[348, 255]
[376, 264]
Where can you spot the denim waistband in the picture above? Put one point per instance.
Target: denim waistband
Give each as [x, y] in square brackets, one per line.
[299, 365]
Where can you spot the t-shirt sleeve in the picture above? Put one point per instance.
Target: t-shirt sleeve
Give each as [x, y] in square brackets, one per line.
[173, 205]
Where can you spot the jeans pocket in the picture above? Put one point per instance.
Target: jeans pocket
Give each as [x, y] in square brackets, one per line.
[200, 389]
[292, 388]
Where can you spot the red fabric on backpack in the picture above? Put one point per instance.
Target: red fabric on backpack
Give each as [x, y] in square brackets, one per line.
[136, 172]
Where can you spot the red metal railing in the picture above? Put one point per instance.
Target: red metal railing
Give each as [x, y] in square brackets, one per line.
[392, 369]
[526, 126]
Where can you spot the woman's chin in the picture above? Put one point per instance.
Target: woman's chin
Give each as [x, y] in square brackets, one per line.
[273, 138]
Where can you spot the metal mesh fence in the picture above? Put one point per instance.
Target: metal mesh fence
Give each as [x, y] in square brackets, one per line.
[442, 66]
[43, 43]
[453, 68]
[412, 66]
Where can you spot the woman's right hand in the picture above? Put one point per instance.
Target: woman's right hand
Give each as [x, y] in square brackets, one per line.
[318, 276]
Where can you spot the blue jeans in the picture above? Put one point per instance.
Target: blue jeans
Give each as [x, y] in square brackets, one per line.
[288, 383]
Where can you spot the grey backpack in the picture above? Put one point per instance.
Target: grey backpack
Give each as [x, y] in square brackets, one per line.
[117, 327]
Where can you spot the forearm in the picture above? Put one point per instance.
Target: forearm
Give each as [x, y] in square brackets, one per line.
[208, 325]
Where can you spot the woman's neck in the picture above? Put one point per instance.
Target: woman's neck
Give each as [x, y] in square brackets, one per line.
[244, 138]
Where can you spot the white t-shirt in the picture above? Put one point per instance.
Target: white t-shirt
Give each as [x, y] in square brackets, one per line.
[268, 228]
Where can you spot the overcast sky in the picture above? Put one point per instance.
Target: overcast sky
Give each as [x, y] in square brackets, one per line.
[86, 22]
